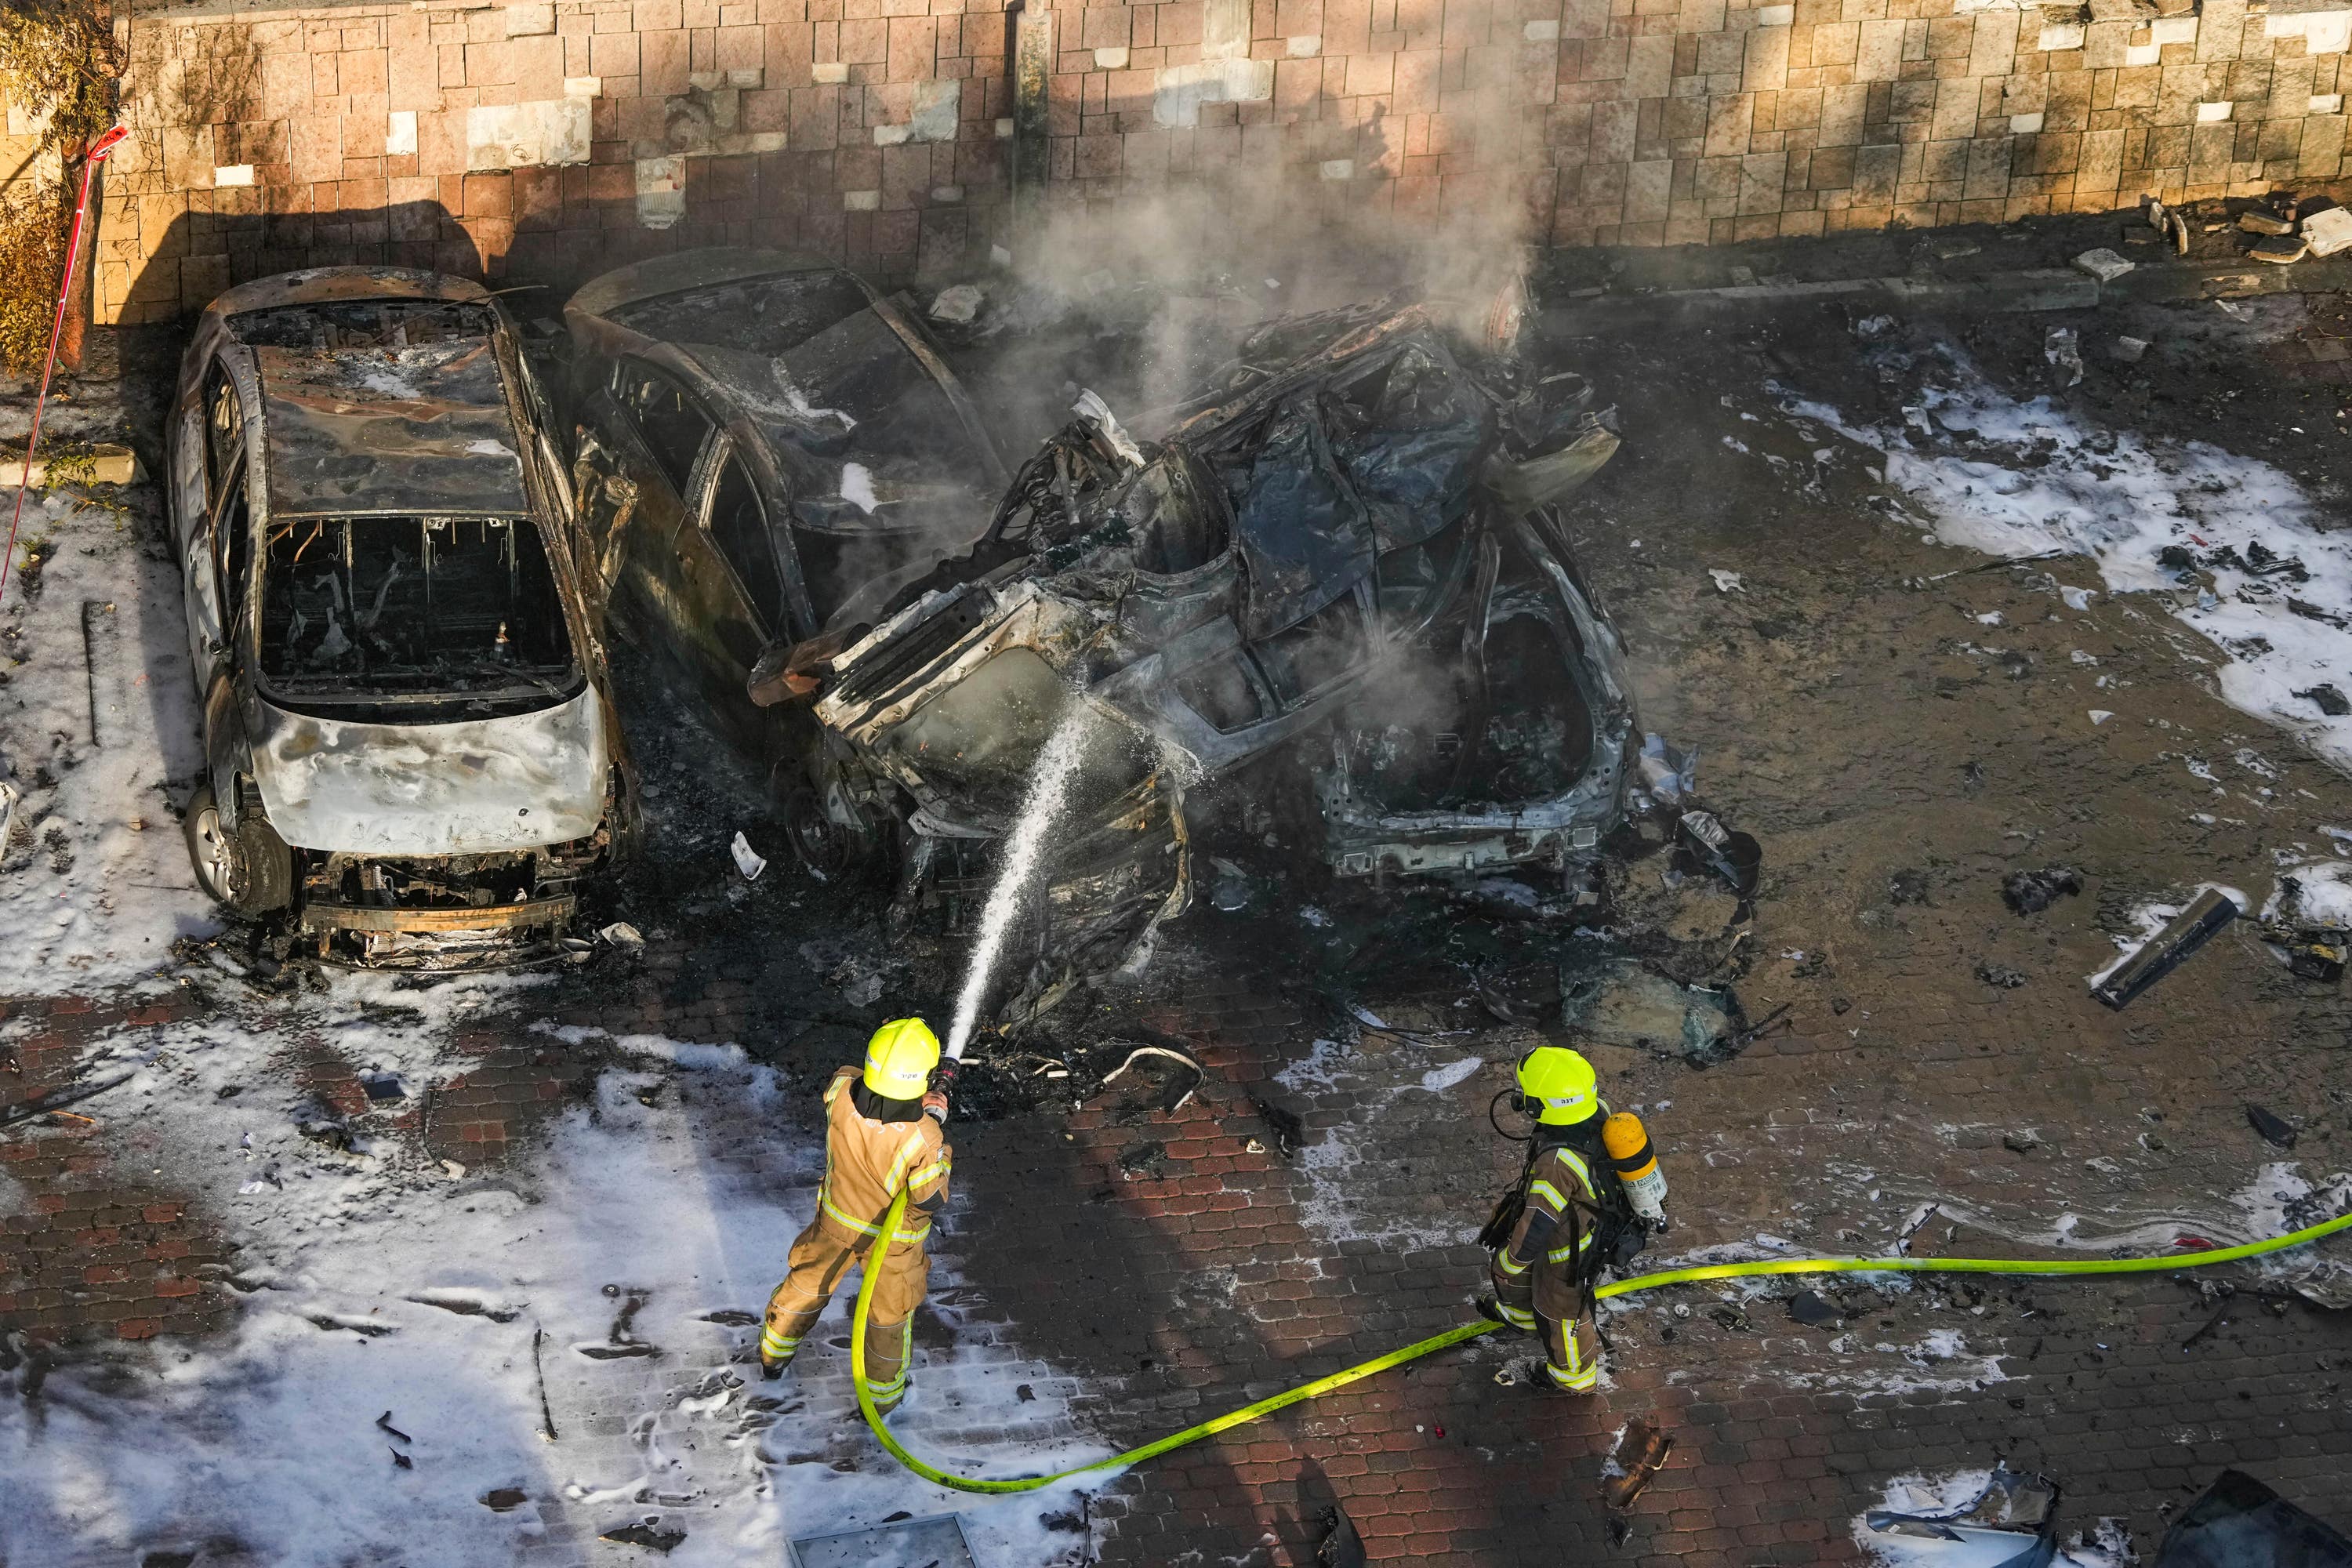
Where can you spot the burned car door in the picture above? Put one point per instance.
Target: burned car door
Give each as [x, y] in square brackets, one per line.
[730, 587]
[210, 460]
[635, 501]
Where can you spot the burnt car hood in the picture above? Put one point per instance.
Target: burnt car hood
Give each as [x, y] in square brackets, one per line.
[473, 787]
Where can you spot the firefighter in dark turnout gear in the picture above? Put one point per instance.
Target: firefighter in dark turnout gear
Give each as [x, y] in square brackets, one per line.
[1566, 1220]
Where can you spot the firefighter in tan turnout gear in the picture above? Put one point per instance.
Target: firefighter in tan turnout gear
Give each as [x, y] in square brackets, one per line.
[883, 1132]
[1580, 1207]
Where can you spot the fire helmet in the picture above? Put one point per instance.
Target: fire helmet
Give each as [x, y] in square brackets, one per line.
[1561, 1085]
[901, 1055]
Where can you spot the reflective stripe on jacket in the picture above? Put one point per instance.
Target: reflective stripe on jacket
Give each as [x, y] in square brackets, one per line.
[868, 1162]
[1560, 1176]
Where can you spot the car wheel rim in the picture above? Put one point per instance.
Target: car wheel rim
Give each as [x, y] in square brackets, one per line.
[212, 854]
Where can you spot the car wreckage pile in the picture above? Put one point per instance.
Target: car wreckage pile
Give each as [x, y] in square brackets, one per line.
[1343, 563]
[1336, 581]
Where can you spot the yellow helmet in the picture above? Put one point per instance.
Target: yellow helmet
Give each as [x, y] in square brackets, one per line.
[899, 1058]
[1561, 1083]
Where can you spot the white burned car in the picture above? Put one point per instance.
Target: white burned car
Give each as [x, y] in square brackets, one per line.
[412, 756]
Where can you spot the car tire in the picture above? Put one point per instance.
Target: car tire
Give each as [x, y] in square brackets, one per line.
[824, 847]
[250, 870]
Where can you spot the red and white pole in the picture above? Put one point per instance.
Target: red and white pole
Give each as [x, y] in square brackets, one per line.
[91, 160]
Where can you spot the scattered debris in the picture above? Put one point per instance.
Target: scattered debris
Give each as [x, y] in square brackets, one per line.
[622, 935]
[649, 1533]
[2329, 232]
[2031, 892]
[43, 1104]
[383, 1086]
[747, 859]
[1727, 582]
[2284, 249]
[2327, 699]
[958, 306]
[1341, 1546]
[2012, 1523]
[2238, 1522]
[1641, 1453]
[2154, 958]
[2064, 354]
[539, 1371]
[2102, 264]
[1289, 1130]
[2130, 350]
[1812, 1310]
[1999, 975]
[2019, 1143]
[504, 1499]
[383, 1423]
[2256, 221]
[935, 1542]
[1176, 1087]
[2275, 1129]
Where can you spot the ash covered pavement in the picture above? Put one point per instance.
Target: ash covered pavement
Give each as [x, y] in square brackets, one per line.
[344, 1267]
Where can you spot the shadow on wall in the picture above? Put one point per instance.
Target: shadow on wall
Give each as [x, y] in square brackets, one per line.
[202, 254]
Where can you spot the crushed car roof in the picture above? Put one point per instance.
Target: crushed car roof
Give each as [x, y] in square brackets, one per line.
[420, 430]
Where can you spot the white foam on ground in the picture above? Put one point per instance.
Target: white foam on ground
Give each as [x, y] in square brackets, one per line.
[360, 1267]
[2323, 893]
[107, 812]
[2015, 479]
[1337, 1205]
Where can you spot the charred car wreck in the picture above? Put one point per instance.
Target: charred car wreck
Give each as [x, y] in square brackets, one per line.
[411, 753]
[1345, 560]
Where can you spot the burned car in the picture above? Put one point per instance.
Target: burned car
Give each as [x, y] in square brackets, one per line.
[1346, 556]
[767, 453]
[411, 753]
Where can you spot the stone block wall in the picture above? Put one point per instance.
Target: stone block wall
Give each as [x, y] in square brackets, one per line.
[542, 141]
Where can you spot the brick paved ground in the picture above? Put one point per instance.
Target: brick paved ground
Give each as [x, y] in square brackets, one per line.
[1857, 726]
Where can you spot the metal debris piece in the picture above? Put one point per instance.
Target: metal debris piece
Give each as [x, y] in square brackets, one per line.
[2012, 1523]
[1180, 1084]
[2329, 232]
[1341, 1546]
[2161, 953]
[747, 859]
[1289, 1130]
[2328, 697]
[648, 1532]
[2031, 892]
[1640, 1454]
[2238, 1522]
[937, 1542]
[2275, 1129]
[1812, 1310]
[959, 305]
[2281, 250]
[383, 1423]
[2260, 222]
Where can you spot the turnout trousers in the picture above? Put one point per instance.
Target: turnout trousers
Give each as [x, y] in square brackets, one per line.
[1556, 1311]
[819, 1260]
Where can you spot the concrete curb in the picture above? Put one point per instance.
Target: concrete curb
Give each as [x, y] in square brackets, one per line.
[1597, 314]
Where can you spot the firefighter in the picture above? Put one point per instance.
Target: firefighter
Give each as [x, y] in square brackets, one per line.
[1568, 1217]
[883, 1132]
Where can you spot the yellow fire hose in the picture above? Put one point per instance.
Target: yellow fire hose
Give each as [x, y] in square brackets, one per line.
[1455, 1336]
